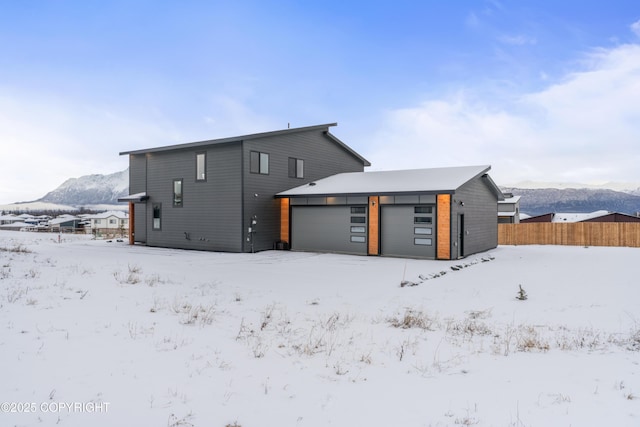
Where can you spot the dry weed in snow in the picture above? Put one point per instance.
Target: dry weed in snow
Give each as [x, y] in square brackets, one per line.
[242, 339]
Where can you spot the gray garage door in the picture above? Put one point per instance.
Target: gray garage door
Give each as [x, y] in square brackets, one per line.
[340, 229]
[408, 231]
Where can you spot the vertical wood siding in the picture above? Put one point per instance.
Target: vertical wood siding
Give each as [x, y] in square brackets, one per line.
[374, 225]
[284, 220]
[443, 235]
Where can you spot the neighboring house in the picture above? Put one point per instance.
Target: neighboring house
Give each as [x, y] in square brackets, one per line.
[613, 217]
[548, 217]
[65, 224]
[219, 194]
[9, 219]
[509, 209]
[597, 216]
[110, 222]
[441, 213]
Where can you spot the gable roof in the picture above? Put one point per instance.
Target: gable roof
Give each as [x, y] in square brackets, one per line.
[234, 139]
[397, 181]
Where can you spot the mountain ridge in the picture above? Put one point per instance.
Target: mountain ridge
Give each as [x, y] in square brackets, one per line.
[538, 201]
[102, 192]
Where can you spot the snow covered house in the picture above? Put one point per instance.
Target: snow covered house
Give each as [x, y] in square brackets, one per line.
[509, 209]
[65, 224]
[219, 194]
[569, 217]
[305, 189]
[439, 213]
[109, 223]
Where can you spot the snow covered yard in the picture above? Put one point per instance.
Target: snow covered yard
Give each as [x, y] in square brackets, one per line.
[158, 337]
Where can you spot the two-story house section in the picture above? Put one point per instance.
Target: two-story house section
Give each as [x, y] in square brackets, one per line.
[218, 194]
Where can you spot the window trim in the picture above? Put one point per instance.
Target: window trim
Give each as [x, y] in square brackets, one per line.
[296, 168]
[204, 167]
[257, 166]
[423, 231]
[428, 241]
[156, 207]
[422, 220]
[178, 203]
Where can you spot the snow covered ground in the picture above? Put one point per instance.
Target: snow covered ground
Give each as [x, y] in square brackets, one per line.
[131, 335]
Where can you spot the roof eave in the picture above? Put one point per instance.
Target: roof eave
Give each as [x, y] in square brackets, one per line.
[233, 139]
[344, 146]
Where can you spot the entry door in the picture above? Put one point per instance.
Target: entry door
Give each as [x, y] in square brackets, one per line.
[460, 235]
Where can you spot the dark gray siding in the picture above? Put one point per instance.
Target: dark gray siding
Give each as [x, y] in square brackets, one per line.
[210, 216]
[322, 158]
[138, 184]
[480, 212]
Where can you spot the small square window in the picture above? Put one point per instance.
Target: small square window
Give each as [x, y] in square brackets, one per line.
[358, 209]
[422, 230]
[358, 220]
[358, 229]
[358, 239]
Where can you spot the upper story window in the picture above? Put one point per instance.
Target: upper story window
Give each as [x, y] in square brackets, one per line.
[296, 168]
[157, 213]
[259, 163]
[201, 167]
[177, 192]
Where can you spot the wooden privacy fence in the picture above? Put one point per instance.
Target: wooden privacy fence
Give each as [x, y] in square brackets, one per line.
[573, 234]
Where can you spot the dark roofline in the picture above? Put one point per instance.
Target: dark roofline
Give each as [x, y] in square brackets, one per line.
[347, 148]
[493, 187]
[360, 194]
[243, 138]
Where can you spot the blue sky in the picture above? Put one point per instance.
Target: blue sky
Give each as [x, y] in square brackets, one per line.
[541, 90]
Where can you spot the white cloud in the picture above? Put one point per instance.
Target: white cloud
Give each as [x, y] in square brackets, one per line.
[635, 27]
[583, 129]
[51, 139]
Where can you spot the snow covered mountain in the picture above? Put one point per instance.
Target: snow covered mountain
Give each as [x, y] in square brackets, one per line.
[537, 201]
[90, 190]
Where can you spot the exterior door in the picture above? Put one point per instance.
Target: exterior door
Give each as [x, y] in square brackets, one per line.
[460, 235]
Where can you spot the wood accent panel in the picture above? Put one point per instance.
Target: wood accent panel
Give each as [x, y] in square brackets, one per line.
[443, 235]
[374, 226]
[570, 234]
[132, 222]
[284, 220]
